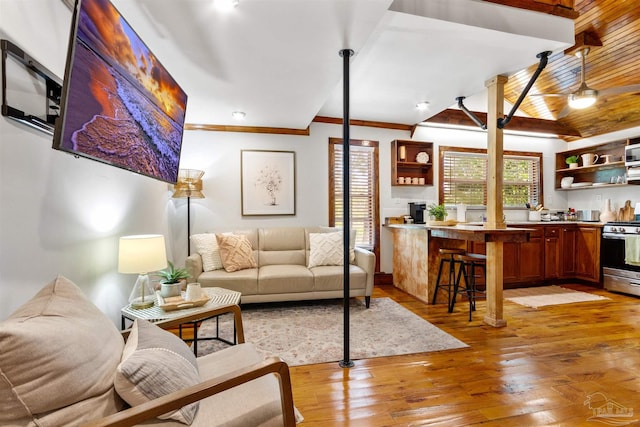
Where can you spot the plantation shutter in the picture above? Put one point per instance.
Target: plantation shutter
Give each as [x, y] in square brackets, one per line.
[362, 181]
[464, 178]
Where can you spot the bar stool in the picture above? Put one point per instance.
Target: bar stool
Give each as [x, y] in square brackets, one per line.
[447, 257]
[469, 266]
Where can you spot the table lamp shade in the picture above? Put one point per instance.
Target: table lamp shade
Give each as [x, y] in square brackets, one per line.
[142, 253]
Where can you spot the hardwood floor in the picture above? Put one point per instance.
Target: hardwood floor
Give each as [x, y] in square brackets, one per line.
[537, 371]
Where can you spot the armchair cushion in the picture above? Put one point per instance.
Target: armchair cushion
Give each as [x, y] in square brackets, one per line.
[236, 252]
[58, 356]
[155, 363]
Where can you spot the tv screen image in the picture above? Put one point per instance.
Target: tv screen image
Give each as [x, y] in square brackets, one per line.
[119, 105]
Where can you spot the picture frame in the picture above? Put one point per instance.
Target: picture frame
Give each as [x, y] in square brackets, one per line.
[268, 182]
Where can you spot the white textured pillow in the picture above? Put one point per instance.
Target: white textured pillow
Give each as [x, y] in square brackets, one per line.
[207, 246]
[325, 249]
[155, 363]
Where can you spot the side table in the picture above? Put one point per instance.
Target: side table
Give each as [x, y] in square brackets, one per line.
[192, 316]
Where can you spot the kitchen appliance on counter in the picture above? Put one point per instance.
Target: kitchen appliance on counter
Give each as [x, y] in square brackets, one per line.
[590, 215]
[416, 210]
[619, 276]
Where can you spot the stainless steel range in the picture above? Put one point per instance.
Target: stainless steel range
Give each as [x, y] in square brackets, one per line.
[619, 276]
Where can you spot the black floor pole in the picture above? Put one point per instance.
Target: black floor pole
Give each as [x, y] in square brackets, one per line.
[188, 226]
[346, 54]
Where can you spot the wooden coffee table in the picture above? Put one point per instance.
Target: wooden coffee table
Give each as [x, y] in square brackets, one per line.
[220, 297]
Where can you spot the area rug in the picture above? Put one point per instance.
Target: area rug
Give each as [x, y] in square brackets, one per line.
[548, 295]
[312, 332]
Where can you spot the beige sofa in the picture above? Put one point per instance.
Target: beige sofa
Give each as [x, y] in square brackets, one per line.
[282, 257]
[64, 363]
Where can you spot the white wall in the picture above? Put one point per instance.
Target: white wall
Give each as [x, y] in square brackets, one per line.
[59, 214]
[62, 215]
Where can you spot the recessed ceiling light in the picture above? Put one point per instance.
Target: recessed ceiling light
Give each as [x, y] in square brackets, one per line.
[238, 115]
[421, 106]
[226, 5]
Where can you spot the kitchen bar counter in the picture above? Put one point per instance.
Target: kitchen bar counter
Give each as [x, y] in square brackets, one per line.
[545, 255]
[416, 258]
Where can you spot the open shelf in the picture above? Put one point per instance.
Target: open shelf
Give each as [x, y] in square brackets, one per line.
[409, 167]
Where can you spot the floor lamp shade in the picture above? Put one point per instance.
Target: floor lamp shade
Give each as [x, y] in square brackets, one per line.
[189, 186]
[140, 255]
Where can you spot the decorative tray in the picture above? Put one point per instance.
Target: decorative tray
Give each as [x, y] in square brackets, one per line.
[179, 303]
[446, 222]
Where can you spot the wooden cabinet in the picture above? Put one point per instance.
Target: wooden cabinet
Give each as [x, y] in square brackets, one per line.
[552, 253]
[568, 251]
[588, 253]
[411, 163]
[600, 173]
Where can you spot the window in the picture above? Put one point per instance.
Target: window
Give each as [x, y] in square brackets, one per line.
[463, 177]
[364, 190]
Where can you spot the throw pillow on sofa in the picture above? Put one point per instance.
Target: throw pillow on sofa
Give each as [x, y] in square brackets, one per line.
[325, 249]
[155, 363]
[207, 246]
[58, 355]
[236, 252]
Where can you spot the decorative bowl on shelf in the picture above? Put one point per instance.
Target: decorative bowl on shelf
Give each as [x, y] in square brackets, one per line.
[422, 157]
[566, 182]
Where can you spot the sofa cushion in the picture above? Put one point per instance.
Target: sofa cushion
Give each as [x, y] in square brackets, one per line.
[58, 358]
[236, 252]
[155, 363]
[282, 245]
[206, 245]
[330, 278]
[325, 249]
[243, 281]
[278, 279]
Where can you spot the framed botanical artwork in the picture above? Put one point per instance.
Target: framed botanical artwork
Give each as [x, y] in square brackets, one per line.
[268, 182]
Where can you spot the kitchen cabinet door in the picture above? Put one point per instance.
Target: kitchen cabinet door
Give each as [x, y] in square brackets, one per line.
[531, 260]
[568, 251]
[588, 253]
[552, 254]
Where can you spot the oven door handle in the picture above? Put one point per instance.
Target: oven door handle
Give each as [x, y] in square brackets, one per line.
[613, 236]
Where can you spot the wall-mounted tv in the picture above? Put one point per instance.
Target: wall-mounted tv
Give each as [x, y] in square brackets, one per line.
[119, 104]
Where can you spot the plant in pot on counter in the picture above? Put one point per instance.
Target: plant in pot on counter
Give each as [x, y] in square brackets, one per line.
[572, 161]
[171, 280]
[437, 212]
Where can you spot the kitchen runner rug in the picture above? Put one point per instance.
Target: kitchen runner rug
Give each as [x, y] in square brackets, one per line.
[548, 295]
[312, 332]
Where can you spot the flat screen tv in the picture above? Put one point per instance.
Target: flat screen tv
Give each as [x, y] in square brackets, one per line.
[119, 104]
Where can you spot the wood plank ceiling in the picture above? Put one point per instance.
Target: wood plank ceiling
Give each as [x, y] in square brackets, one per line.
[616, 24]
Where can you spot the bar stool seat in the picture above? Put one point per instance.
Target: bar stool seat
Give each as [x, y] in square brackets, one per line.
[469, 264]
[447, 256]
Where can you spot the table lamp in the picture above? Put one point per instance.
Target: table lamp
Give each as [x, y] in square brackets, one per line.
[189, 185]
[141, 254]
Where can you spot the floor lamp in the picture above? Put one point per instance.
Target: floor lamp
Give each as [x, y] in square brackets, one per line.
[189, 185]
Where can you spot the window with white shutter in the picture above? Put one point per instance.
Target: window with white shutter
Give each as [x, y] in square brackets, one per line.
[463, 177]
[363, 189]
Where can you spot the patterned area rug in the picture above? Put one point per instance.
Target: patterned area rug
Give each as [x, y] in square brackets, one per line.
[312, 332]
[548, 295]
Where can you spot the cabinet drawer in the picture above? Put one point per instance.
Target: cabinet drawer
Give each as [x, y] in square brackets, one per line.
[551, 232]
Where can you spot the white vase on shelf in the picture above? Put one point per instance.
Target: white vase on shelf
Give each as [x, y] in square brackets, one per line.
[607, 213]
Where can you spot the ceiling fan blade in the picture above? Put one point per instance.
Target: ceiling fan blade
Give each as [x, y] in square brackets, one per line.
[619, 90]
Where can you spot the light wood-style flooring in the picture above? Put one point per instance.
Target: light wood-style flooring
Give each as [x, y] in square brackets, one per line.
[539, 370]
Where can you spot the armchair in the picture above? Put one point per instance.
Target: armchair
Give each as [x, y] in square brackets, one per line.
[237, 386]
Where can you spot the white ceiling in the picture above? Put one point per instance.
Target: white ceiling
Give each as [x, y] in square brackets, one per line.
[278, 60]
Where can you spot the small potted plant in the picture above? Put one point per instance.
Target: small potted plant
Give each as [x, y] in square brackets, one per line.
[437, 212]
[572, 161]
[171, 280]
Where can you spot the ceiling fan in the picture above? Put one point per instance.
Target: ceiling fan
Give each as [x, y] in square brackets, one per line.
[585, 96]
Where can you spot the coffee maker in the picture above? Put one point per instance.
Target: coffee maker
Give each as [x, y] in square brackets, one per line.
[416, 210]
